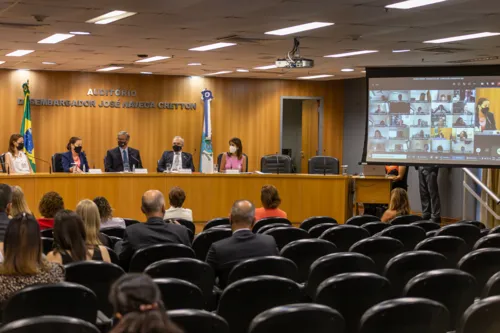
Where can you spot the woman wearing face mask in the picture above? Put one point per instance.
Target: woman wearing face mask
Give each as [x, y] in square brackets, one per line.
[234, 159]
[485, 120]
[74, 160]
[15, 159]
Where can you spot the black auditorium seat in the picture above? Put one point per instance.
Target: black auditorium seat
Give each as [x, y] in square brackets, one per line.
[47, 245]
[272, 265]
[188, 224]
[495, 230]
[269, 220]
[481, 317]
[49, 324]
[216, 222]
[142, 258]
[468, 232]
[114, 257]
[375, 227]
[308, 223]
[427, 225]
[452, 247]
[286, 235]
[306, 251]
[453, 288]
[430, 234]
[482, 264]
[379, 249]
[484, 232]
[196, 321]
[344, 236]
[298, 318]
[492, 240]
[409, 235]
[362, 219]
[492, 287]
[206, 238]
[478, 224]
[180, 294]
[129, 222]
[271, 226]
[48, 233]
[406, 315]
[116, 232]
[405, 219]
[352, 294]
[319, 229]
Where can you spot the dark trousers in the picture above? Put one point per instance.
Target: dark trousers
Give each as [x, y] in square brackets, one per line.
[429, 193]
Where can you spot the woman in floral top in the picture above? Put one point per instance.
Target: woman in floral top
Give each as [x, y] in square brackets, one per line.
[23, 264]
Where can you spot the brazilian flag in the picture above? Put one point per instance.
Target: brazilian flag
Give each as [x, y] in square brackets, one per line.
[26, 132]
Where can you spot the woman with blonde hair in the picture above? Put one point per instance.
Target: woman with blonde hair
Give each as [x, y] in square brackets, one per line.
[89, 213]
[398, 206]
[19, 204]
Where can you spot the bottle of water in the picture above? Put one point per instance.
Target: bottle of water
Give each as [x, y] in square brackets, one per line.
[126, 167]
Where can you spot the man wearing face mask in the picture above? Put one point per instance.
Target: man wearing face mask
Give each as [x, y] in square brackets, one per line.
[123, 157]
[176, 158]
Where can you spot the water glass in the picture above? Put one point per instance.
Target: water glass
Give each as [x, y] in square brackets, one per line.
[168, 168]
[216, 168]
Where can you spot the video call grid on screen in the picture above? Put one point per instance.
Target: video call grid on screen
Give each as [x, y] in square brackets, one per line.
[434, 120]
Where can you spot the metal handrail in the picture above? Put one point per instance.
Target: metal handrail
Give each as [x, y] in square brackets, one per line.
[481, 184]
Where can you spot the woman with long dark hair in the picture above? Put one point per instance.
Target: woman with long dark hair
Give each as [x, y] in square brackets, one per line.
[234, 159]
[15, 158]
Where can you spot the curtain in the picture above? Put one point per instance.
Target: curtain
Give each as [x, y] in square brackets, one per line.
[491, 178]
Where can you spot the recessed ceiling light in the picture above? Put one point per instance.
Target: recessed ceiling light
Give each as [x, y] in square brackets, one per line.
[266, 67]
[241, 70]
[2, 62]
[413, 4]
[464, 37]
[49, 63]
[19, 53]
[400, 51]
[194, 64]
[55, 38]
[221, 72]
[113, 16]
[349, 54]
[363, 71]
[347, 70]
[82, 33]
[155, 58]
[195, 77]
[107, 69]
[147, 73]
[321, 76]
[23, 70]
[299, 28]
[211, 46]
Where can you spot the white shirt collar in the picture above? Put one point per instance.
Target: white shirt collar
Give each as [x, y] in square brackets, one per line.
[240, 230]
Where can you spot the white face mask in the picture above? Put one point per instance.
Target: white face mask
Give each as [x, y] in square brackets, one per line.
[232, 149]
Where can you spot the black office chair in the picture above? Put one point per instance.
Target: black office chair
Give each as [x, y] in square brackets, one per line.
[406, 315]
[482, 264]
[352, 294]
[47, 233]
[319, 229]
[269, 220]
[142, 258]
[47, 245]
[405, 219]
[451, 287]
[362, 219]
[129, 222]
[344, 236]
[196, 321]
[375, 227]
[216, 222]
[403, 267]
[492, 240]
[427, 225]
[379, 249]
[272, 265]
[49, 324]
[180, 294]
[319, 165]
[205, 239]
[313, 221]
[59, 299]
[2, 163]
[286, 235]
[115, 232]
[272, 226]
[481, 317]
[478, 224]
[114, 257]
[409, 235]
[298, 318]
[334, 264]
[306, 251]
[57, 162]
[468, 232]
[219, 160]
[243, 300]
[273, 163]
[188, 224]
[452, 247]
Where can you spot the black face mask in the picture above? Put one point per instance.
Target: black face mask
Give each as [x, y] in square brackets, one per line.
[122, 143]
[78, 150]
[487, 109]
[176, 148]
[20, 146]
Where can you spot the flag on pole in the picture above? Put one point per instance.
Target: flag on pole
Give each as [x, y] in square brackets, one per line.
[26, 132]
[206, 152]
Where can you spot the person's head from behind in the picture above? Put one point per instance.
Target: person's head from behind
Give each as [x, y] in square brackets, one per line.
[137, 303]
[50, 204]
[399, 201]
[22, 246]
[5, 198]
[236, 147]
[483, 105]
[153, 204]
[16, 142]
[242, 215]
[19, 204]
[270, 197]
[69, 235]
[89, 213]
[105, 210]
[176, 197]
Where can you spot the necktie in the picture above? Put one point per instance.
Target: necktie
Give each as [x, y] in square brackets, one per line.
[125, 157]
[176, 161]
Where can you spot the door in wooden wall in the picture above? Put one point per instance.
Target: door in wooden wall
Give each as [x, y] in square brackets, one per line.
[310, 132]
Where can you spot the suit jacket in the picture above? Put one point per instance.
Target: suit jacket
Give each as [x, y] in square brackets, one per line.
[67, 160]
[114, 160]
[225, 254]
[154, 231]
[168, 157]
[4, 222]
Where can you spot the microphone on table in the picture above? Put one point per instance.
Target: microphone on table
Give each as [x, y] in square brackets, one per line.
[44, 161]
[8, 170]
[139, 164]
[277, 163]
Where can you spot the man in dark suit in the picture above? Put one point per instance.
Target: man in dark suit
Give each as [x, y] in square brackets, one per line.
[122, 157]
[153, 231]
[176, 157]
[5, 205]
[243, 244]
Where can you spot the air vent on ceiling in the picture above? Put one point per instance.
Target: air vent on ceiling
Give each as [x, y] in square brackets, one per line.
[440, 49]
[244, 40]
[465, 61]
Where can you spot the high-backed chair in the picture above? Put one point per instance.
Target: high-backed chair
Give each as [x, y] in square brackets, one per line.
[180, 294]
[344, 236]
[362, 219]
[188, 224]
[323, 165]
[406, 315]
[46, 324]
[427, 225]
[286, 235]
[468, 232]
[451, 287]
[492, 287]
[114, 257]
[269, 220]
[482, 264]
[313, 221]
[379, 249]
[216, 222]
[196, 321]
[492, 240]
[272, 226]
[306, 251]
[2, 163]
[478, 224]
[206, 238]
[142, 258]
[273, 163]
[298, 318]
[219, 160]
[272, 265]
[57, 162]
[495, 230]
[452, 247]
[319, 229]
[375, 227]
[405, 219]
[481, 317]
[409, 235]
[484, 232]
[431, 233]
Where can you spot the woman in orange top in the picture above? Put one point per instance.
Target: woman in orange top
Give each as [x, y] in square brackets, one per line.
[270, 201]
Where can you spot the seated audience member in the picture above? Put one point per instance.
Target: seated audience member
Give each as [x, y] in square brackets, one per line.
[243, 244]
[234, 159]
[89, 213]
[137, 304]
[398, 206]
[153, 231]
[106, 214]
[176, 196]
[270, 200]
[24, 264]
[70, 241]
[19, 204]
[15, 158]
[5, 208]
[50, 204]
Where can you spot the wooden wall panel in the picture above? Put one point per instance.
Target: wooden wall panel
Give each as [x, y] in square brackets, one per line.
[246, 108]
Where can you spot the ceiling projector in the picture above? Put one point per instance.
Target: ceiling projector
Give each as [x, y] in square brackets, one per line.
[293, 59]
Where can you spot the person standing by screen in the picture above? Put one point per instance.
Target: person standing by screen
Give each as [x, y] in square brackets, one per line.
[485, 120]
[429, 193]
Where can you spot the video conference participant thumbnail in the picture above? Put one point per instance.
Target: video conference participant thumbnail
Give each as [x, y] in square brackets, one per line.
[399, 102]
